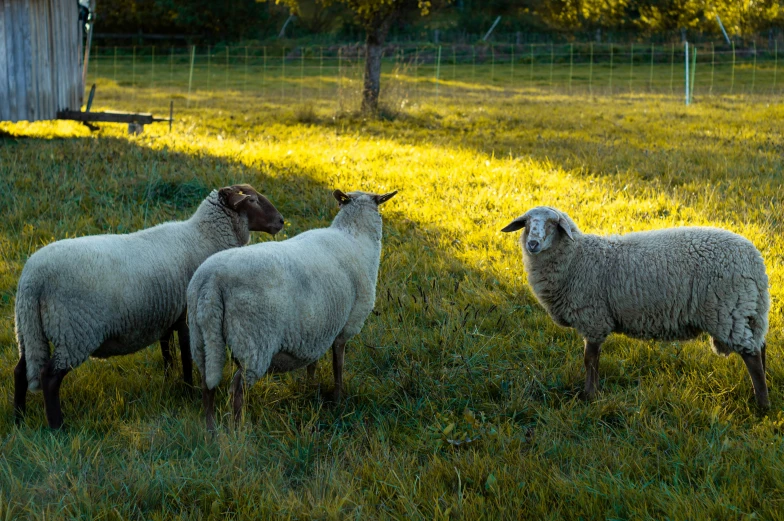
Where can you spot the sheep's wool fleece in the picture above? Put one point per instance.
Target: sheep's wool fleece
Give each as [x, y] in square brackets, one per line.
[106, 295]
[667, 284]
[281, 305]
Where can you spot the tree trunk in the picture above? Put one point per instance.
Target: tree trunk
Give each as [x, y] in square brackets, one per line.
[372, 85]
[374, 48]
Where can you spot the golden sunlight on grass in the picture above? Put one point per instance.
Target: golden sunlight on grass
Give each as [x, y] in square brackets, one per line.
[463, 395]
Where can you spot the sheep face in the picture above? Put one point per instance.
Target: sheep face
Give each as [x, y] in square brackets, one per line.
[377, 199]
[543, 225]
[262, 215]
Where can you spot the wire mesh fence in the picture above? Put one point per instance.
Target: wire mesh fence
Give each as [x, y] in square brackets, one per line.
[333, 74]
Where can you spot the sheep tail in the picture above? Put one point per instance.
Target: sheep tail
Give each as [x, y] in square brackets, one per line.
[33, 344]
[208, 345]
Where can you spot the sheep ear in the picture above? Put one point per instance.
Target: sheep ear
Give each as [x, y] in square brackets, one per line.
[341, 197]
[232, 196]
[384, 198]
[564, 224]
[520, 222]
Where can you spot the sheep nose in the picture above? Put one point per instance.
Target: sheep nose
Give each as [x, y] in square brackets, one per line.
[282, 222]
[533, 246]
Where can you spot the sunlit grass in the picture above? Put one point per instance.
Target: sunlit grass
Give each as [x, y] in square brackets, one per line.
[462, 394]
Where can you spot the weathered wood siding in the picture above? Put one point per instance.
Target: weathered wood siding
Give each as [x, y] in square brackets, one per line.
[40, 59]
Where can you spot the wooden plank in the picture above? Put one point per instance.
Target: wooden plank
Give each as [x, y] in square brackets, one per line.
[47, 45]
[22, 36]
[5, 109]
[9, 46]
[108, 117]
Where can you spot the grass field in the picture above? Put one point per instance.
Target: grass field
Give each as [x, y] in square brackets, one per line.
[462, 395]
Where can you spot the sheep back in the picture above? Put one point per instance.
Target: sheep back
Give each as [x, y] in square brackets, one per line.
[667, 284]
[288, 300]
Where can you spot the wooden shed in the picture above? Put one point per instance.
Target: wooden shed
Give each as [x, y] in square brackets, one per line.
[40, 59]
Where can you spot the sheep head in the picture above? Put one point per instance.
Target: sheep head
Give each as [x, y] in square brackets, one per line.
[262, 215]
[542, 225]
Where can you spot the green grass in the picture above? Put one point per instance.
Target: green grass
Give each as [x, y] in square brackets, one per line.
[462, 395]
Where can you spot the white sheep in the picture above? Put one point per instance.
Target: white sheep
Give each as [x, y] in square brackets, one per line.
[107, 295]
[280, 306]
[669, 284]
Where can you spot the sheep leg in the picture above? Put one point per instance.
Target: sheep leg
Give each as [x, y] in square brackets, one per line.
[20, 390]
[311, 374]
[591, 360]
[208, 402]
[338, 350]
[764, 362]
[185, 351]
[237, 395]
[166, 352]
[51, 379]
[756, 366]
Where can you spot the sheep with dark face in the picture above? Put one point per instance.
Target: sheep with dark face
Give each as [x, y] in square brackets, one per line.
[280, 306]
[108, 295]
[669, 284]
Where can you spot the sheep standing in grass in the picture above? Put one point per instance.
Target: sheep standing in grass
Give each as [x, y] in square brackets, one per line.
[107, 295]
[280, 306]
[667, 284]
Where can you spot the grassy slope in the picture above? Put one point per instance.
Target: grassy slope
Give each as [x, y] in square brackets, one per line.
[458, 348]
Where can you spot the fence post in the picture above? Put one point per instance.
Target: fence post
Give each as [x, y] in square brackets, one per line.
[611, 67]
[511, 65]
[301, 72]
[650, 79]
[571, 65]
[686, 55]
[416, 71]
[713, 66]
[672, 70]
[590, 73]
[190, 76]
[473, 64]
[693, 71]
[732, 78]
[754, 66]
[775, 63]
[492, 63]
[454, 63]
[631, 69]
[283, 75]
[321, 69]
[438, 70]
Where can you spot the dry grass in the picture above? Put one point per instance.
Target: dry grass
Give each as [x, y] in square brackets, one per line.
[462, 394]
